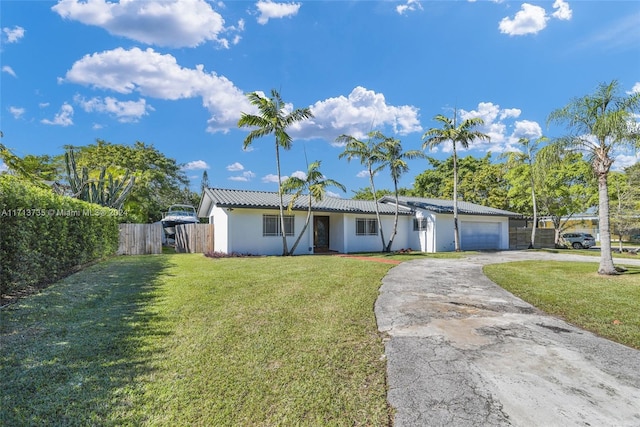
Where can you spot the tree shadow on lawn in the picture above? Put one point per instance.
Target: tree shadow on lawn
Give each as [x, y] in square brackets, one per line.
[74, 353]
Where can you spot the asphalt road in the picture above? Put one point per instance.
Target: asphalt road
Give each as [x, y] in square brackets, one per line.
[461, 351]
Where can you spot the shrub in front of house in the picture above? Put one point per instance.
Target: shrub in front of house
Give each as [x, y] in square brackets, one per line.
[44, 236]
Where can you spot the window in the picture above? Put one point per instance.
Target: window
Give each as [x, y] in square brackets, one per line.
[271, 225]
[420, 224]
[366, 227]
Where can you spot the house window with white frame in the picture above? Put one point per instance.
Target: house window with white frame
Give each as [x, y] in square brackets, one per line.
[366, 227]
[420, 224]
[271, 225]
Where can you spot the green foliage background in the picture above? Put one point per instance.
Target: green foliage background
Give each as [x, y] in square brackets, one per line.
[44, 235]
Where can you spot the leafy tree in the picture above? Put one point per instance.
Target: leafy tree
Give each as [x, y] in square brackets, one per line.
[565, 186]
[481, 181]
[462, 134]
[624, 192]
[315, 184]
[204, 183]
[104, 191]
[160, 180]
[365, 193]
[526, 158]
[599, 123]
[370, 155]
[396, 160]
[274, 118]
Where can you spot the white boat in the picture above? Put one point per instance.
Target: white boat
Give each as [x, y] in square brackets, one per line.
[177, 215]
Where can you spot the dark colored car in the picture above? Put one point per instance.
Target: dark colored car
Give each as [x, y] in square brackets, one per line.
[579, 240]
[635, 238]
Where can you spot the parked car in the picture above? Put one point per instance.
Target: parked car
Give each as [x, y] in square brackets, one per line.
[635, 238]
[579, 240]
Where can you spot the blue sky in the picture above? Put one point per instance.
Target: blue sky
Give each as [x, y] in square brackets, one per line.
[174, 74]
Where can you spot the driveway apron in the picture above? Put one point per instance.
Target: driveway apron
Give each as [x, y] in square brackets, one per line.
[461, 351]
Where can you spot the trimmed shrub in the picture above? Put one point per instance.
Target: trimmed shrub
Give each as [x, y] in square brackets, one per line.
[44, 236]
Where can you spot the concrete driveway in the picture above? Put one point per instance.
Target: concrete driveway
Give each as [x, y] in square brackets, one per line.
[461, 351]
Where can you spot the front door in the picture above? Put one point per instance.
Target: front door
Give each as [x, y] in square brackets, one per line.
[321, 233]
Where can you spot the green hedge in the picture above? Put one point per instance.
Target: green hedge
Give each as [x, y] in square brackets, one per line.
[43, 236]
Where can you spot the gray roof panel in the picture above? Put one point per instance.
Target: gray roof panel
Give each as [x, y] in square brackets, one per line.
[270, 200]
[446, 206]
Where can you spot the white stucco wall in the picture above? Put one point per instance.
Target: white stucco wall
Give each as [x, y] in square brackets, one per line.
[240, 230]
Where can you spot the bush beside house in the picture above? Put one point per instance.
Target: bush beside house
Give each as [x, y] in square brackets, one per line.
[44, 236]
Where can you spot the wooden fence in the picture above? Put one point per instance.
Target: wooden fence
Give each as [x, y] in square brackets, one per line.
[140, 239]
[194, 238]
[519, 238]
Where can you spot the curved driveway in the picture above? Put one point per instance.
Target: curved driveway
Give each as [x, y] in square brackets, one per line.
[461, 351]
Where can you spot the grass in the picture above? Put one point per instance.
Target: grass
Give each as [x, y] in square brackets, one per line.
[605, 305]
[189, 340]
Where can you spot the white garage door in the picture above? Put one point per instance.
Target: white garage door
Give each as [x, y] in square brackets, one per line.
[479, 235]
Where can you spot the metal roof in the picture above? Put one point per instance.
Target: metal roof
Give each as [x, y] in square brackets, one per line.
[446, 206]
[227, 198]
[269, 200]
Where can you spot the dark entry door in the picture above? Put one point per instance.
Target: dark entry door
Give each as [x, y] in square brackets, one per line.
[321, 233]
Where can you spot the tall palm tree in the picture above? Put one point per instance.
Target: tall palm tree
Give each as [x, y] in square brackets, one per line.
[315, 184]
[370, 155]
[600, 123]
[396, 160]
[274, 118]
[461, 134]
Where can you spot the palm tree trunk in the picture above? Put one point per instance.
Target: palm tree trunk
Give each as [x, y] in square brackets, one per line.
[306, 225]
[456, 233]
[535, 212]
[606, 260]
[395, 219]
[285, 250]
[375, 199]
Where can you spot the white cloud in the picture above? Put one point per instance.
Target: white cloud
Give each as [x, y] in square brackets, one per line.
[357, 114]
[634, 89]
[156, 75]
[271, 10]
[17, 112]
[173, 23]
[43, 104]
[533, 19]
[363, 174]
[526, 129]
[125, 111]
[235, 167]
[272, 178]
[409, 6]
[13, 35]
[499, 125]
[196, 165]
[332, 194]
[3, 167]
[563, 11]
[245, 177]
[63, 118]
[300, 175]
[623, 161]
[529, 20]
[8, 70]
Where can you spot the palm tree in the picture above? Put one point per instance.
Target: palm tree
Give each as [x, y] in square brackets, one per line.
[533, 163]
[600, 123]
[462, 134]
[370, 155]
[315, 183]
[396, 159]
[274, 118]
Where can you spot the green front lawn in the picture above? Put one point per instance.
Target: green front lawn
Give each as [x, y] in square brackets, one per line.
[605, 305]
[189, 340]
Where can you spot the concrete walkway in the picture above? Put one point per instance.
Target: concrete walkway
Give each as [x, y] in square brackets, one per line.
[461, 351]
